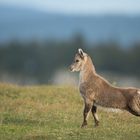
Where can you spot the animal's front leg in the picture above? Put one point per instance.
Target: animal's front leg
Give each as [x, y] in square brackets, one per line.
[94, 112]
[87, 108]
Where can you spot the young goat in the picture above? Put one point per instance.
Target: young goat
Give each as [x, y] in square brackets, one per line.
[95, 90]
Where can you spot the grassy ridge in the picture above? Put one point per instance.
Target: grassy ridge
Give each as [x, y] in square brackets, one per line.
[55, 113]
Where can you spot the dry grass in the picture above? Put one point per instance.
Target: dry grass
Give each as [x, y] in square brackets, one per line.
[55, 113]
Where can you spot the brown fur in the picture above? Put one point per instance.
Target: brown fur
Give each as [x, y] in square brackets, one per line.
[95, 90]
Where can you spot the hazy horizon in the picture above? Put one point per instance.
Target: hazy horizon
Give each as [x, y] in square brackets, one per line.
[42, 19]
[79, 7]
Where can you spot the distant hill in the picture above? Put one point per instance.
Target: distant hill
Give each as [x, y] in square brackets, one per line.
[17, 23]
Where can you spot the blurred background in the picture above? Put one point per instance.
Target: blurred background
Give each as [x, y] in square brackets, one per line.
[38, 40]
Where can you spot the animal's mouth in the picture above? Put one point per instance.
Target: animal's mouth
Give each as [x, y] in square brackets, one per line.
[71, 69]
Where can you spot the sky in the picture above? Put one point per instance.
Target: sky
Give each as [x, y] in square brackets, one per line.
[130, 7]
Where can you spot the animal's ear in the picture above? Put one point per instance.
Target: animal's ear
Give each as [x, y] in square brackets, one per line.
[81, 53]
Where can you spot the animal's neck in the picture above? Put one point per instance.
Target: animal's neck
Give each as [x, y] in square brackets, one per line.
[87, 71]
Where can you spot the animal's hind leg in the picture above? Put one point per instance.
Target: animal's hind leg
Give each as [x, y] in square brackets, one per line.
[134, 105]
[136, 113]
[87, 108]
[94, 112]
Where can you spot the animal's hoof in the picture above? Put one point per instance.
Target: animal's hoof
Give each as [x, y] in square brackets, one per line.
[96, 124]
[84, 125]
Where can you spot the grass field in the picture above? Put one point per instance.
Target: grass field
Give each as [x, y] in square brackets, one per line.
[55, 113]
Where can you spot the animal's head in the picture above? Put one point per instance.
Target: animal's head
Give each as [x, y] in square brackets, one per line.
[79, 61]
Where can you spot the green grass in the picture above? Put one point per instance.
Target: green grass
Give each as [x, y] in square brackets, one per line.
[55, 113]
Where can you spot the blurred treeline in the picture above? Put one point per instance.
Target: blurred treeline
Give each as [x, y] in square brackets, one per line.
[40, 60]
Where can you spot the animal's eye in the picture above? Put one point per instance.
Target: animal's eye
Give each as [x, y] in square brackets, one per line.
[77, 60]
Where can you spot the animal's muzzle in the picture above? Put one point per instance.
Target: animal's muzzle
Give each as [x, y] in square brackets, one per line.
[70, 68]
